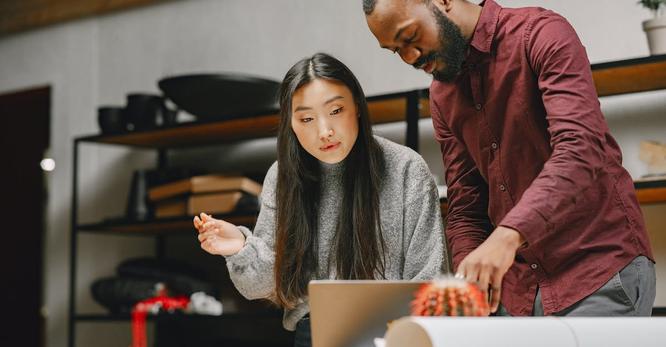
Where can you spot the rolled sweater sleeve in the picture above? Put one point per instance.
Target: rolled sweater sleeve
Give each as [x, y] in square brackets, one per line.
[251, 269]
[425, 250]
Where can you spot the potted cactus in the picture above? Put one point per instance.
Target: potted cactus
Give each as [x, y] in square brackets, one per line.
[449, 296]
[655, 28]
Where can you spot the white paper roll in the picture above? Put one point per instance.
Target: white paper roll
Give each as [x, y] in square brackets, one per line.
[526, 332]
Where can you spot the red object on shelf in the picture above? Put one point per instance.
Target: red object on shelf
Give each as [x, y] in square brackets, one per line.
[153, 305]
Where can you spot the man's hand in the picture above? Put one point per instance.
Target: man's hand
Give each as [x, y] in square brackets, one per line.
[217, 236]
[488, 263]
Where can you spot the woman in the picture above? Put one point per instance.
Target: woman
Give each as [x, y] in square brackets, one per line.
[339, 203]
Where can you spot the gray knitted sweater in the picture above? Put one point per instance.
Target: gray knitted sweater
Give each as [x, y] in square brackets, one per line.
[410, 219]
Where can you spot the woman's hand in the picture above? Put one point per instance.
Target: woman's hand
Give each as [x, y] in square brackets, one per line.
[217, 236]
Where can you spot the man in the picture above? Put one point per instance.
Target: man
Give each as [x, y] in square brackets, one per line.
[541, 212]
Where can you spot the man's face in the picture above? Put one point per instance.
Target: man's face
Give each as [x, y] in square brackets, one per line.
[421, 34]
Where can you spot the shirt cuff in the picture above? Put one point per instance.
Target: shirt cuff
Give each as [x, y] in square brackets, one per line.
[531, 224]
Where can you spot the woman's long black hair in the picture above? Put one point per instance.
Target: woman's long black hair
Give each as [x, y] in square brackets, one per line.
[358, 245]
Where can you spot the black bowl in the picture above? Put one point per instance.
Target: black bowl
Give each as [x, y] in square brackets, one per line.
[112, 119]
[222, 96]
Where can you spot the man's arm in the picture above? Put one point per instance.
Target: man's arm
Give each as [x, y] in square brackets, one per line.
[467, 221]
[575, 124]
[577, 137]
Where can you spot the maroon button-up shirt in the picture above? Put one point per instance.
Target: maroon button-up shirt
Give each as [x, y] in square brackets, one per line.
[525, 146]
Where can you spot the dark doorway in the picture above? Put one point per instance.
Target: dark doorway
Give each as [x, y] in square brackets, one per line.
[24, 137]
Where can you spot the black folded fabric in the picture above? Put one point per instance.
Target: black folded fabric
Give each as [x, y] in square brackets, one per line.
[180, 278]
[119, 294]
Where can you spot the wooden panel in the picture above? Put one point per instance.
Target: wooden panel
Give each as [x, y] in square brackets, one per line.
[19, 15]
[199, 133]
[444, 207]
[634, 76]
[196, 133]
[161, 227]
[394, 110]
[651, 195]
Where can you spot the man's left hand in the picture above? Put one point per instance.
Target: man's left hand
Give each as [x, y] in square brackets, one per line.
[488, 263]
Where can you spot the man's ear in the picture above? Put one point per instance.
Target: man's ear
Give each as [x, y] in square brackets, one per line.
[443, 5]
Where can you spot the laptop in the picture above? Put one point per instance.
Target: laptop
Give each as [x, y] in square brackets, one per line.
[350, 313]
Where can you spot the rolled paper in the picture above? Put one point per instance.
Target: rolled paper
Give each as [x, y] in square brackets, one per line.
[527, 332]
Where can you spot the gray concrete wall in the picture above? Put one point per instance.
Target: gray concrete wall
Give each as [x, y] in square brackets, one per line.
[99, 60]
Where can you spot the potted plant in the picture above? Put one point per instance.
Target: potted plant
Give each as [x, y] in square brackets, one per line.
[655, 28]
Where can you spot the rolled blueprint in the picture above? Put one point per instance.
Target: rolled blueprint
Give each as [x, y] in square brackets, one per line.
[527, 332]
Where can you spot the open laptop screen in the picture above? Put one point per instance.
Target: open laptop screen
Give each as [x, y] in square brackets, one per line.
[349, 313]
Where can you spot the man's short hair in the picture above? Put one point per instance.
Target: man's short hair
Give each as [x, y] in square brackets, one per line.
[369, 6]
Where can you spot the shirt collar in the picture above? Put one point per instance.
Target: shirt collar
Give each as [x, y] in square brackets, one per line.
[485, 29]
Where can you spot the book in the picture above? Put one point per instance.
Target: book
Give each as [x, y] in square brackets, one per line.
[204, 184]
[211, 203]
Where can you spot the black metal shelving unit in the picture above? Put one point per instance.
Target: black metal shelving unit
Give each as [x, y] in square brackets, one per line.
[406, 107]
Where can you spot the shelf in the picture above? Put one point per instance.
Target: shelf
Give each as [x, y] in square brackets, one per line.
[656, 193]
[104, 317]
[630, 76]
[612, 78]
[656, 311]
[184, 224]
[160, 226]
[651, 191]
[651, 195]
[172, 225]
[383, 109]
[659, 311]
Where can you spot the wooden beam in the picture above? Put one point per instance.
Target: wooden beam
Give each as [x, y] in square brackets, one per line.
[21, 15]
[630, 76]
[651, 195]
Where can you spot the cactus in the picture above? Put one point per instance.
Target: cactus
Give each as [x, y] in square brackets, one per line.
[449, 296]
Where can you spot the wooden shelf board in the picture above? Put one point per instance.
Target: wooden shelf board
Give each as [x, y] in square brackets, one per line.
[613, 78]
[195, 133]
[630, 76]
[443, 206]
[184, 224]
[394, 110]
[165, 226]
[175, 225]
[651, 195]
[108, 317]
[382, 110]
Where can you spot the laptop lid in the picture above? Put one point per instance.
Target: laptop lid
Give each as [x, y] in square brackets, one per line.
[349, 313]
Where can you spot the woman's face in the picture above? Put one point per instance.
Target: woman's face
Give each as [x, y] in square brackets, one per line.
[324, 118]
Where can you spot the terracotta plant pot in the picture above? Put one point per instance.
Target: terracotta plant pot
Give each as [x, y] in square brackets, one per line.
[655, 29]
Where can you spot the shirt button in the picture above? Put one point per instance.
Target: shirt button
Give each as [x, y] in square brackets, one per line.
[502, 187]
[494, 145]
[478, 107]
[534, 266]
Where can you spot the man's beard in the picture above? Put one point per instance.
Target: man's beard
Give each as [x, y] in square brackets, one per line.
[454, 54]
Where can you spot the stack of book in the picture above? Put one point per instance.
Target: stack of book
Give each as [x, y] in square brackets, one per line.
[212, 194]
